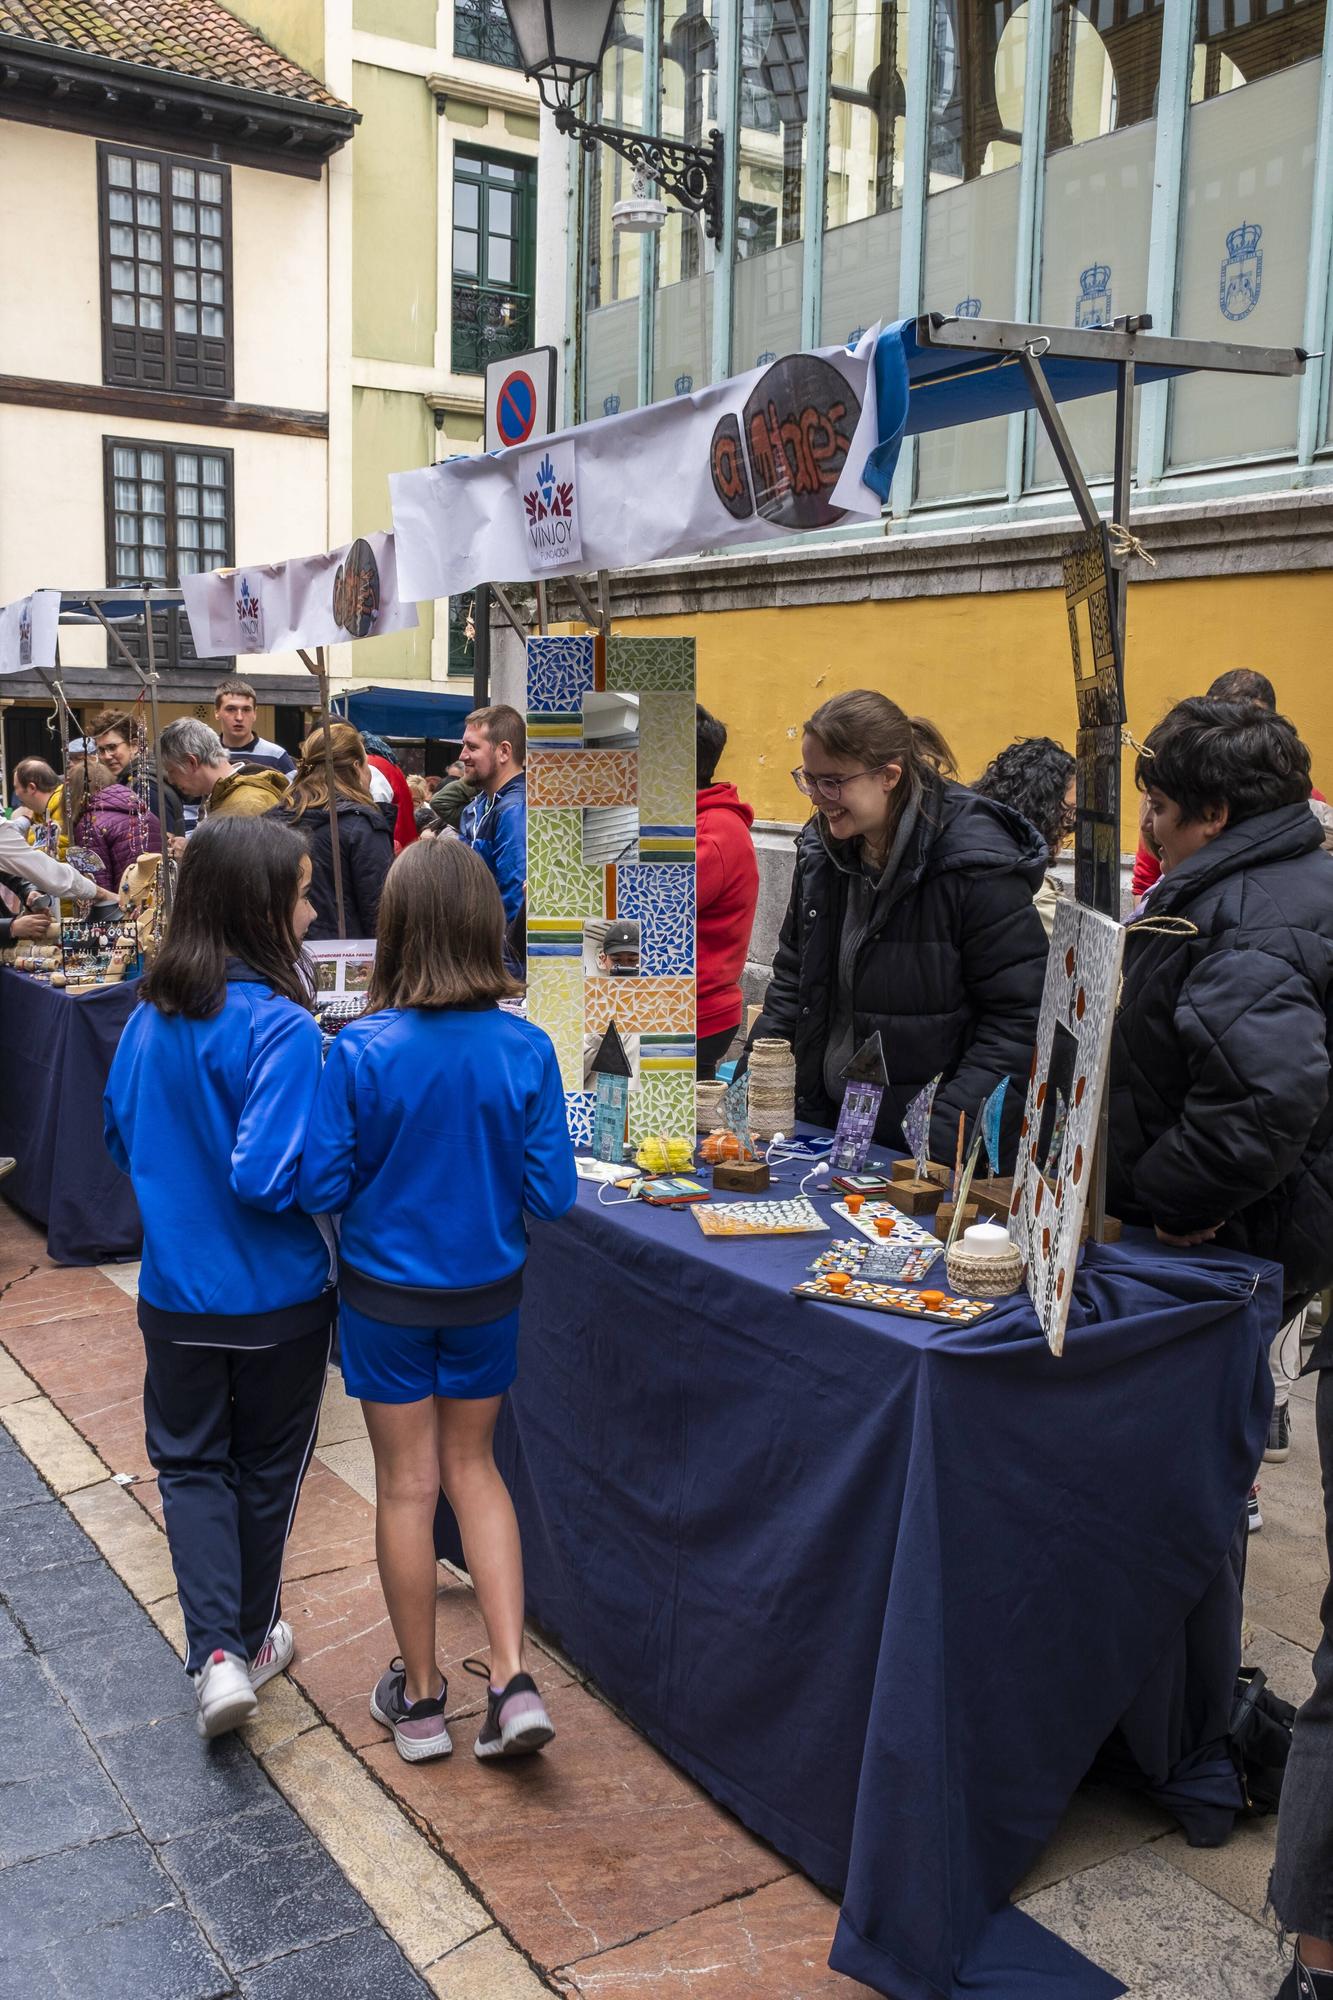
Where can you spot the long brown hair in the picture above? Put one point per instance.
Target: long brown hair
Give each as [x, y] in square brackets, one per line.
[440, 931]
[310, 786]
[235, 896]
[84, 779]
[866, 724]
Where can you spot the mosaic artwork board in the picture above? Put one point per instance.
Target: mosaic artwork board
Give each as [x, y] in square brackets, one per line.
[904, 1228]
[611, 839]
[798, 1217]
[894, 1299]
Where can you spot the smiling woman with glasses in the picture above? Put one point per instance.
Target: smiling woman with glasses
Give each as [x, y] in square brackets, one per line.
[911, 912]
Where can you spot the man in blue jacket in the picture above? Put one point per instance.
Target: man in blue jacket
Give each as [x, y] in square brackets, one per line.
[495, 822]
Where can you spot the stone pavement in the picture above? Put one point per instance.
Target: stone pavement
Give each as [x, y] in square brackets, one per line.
[597, 1871]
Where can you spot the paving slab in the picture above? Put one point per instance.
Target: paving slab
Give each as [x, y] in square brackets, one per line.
[62, 1807]
[121, 1679]
[38, 1427]
[366, 1966]
[485, 1968]
[36, 1537]
[136, 1548]
[173, 1781]
[160, 1956]
[77, 1600]
[37, 1731]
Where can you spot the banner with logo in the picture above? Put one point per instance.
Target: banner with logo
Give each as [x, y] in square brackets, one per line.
[28, 630]
[779, 450]
[351, 593]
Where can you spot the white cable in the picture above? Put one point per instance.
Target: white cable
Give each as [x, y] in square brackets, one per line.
[620, 1199]
[821, 1167]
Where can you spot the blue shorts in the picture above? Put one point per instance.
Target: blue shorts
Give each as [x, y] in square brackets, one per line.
[405, 1364]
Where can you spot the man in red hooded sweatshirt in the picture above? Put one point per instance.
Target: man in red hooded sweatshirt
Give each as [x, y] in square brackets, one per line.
[728, 892]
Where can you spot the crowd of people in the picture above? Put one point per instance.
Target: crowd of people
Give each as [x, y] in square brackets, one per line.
[919, 906]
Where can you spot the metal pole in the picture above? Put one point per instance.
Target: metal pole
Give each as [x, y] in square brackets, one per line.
[168, 867]
[319, 667]
[481, 647]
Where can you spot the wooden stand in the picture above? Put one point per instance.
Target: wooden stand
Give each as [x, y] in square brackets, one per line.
[905, 1170]
[915, 1197]
[993, 1197]
[944, 1218]
[741, 1176]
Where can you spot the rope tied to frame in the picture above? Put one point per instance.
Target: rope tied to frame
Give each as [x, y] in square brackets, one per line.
[1125, 543]
[1131, 742]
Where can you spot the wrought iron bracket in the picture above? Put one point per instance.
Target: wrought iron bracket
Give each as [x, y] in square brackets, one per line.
[691, 175]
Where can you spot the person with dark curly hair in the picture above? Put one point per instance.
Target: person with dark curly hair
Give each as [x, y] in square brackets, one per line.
[1035, 776]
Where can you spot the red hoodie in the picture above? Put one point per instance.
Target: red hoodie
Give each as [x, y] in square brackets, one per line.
[728, 892]
[405, 806]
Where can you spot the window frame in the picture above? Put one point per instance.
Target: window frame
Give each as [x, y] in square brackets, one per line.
[183, 374]
[523, 237]
[173, 645]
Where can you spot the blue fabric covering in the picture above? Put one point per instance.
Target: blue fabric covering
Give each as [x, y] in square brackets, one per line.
[935, 388]
[402, 712]
[55, 1052]
[208, 1118]
[884, 1587]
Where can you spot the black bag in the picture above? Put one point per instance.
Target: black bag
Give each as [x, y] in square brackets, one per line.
[1260, 1739]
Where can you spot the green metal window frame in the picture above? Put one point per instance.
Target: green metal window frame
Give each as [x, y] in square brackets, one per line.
[482, 34]
[489, 318]
[1155, 477]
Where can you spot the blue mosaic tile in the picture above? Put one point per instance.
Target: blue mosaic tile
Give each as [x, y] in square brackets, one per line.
[661, 898]
[580, 1109]
[560, 672]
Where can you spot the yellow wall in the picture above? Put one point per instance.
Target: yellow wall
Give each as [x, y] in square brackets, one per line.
[392, 431]
[987, 669]
[405, 20]
[394, 217]
[294, 26]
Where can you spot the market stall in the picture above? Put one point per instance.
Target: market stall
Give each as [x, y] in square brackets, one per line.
[885, 1587]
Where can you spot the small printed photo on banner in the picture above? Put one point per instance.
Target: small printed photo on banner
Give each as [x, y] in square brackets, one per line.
[342, 965]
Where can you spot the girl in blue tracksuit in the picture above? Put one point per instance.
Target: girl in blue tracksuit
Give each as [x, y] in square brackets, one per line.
[432, 1267]
[206, 1108]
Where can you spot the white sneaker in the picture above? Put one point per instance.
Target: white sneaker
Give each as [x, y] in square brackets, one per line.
[226, 1697]
[274, 1656]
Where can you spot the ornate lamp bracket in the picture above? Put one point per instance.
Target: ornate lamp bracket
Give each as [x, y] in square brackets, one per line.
[691, 175]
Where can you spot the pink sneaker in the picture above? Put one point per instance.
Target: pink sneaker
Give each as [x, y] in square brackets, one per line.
[516, 1720]
[418, 1727]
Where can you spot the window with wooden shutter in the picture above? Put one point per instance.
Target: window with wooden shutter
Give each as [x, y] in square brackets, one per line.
[166, 272]
[168, 514]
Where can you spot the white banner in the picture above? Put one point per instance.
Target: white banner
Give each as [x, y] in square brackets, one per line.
[310, 601]
[777, 451]
[28, 630]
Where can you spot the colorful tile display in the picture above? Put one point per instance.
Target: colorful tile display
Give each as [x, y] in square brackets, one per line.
[656, 781]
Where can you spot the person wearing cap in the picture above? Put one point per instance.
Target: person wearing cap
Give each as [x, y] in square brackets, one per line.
[618, 953]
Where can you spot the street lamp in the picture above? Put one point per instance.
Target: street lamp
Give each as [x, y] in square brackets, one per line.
[561, 44]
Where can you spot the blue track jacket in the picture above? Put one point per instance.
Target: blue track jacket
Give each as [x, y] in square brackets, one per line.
[208, 1119]
[491, 1087]
[498, 829]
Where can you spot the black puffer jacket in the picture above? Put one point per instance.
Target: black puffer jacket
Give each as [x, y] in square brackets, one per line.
[950, 970]
[365, 846]
[1220, 1100]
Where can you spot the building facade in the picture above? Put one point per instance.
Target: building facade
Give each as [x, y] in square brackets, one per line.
[1018, 159]
[164, 400]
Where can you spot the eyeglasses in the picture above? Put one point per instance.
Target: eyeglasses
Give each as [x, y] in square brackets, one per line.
[829, 789]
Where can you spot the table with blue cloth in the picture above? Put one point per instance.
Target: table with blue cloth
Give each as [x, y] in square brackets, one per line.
[55, 1053]
[886, 1587]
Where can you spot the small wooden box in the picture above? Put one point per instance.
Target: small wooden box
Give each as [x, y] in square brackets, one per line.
[993, 1197]
[915, 1197]
[741, 1176]
[905, 1170]
[944, 1218]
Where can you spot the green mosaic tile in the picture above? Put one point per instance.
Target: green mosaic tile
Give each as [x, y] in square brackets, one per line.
[555, 1002]
[663, 1104]
[666, 759]
[558, 883]
[635, 665]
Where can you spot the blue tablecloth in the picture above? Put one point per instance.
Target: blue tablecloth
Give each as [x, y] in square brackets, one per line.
[55, 1052]
[884, 1587]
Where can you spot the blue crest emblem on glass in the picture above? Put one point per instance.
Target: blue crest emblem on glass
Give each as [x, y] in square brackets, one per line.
[856, 334]
[1242, 271]
[1093, 305]
[610, 406]
[766, 359]
[968, 308]
[684, 383]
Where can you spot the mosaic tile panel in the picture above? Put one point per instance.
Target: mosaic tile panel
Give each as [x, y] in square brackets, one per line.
[666, 1052]
[662, 1104]
[662, 899]
[637, 665]
[554, 732]
[666, 760]
[558, 883]
[663, 844]
[559, 673]
[640, 1006]
[555, 1001]
[580, 1108]
[577, 777]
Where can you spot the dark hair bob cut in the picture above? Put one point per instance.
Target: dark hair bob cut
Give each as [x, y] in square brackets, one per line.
[1207, 753]
[235, 897]
[440, 931]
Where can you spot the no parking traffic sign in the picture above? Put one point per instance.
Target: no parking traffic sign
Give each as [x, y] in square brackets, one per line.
[520, 396]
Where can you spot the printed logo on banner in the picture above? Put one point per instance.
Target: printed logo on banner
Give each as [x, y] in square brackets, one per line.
[25, 634]
[356, 591]
[1093, 305]
[1242, 271]
[550, 501]
[249, 615]
[798, 424]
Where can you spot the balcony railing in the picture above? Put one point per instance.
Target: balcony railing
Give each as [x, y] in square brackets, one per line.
[481, 33]
[487, 325]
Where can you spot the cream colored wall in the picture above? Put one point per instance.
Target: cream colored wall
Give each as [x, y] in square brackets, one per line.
[279, 257]
[50, 300]
[52, 530]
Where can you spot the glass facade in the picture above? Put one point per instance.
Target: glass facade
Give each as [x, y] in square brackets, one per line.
[989, 158]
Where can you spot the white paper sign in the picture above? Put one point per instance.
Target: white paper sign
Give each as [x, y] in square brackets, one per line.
[28, 630]
[351, 593]
[779, 450]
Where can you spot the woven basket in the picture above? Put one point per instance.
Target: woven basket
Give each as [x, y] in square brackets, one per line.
[985, 1277]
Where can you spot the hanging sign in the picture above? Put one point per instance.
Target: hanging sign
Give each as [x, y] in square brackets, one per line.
[351, 593]
[520, 398]
[781, 449]
[28, 629]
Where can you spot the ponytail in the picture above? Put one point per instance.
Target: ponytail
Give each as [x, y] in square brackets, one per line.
[866, 724]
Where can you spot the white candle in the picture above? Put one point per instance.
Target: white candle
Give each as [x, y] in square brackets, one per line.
[986, 1239]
